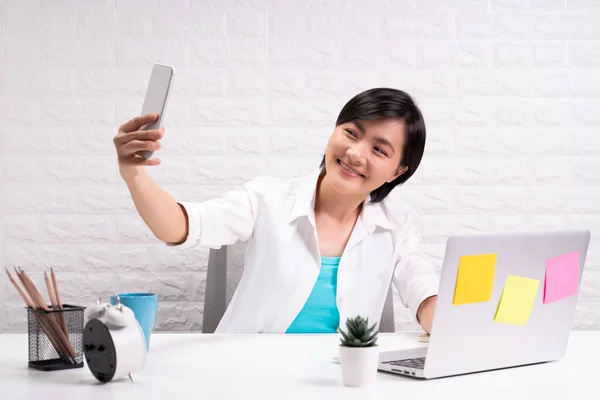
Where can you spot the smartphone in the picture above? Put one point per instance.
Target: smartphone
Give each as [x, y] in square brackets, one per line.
[157, 95]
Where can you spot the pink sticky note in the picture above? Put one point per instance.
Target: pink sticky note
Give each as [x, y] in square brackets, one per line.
[562, 277]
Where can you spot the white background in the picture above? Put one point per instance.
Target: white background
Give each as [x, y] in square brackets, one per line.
[510, 90]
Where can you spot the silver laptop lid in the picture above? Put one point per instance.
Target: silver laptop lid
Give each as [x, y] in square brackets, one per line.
[510, 303]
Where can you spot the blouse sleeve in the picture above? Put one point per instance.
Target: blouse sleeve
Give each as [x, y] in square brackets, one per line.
[223, 220]
[414, 275]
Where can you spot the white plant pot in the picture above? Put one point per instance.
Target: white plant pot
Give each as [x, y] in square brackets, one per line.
[359, 365]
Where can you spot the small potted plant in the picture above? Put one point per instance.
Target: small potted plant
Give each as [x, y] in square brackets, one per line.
[359, 352]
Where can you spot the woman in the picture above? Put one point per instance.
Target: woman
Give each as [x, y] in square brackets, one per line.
[321, 248]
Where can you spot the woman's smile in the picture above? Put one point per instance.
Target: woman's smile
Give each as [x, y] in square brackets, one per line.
[349, 171]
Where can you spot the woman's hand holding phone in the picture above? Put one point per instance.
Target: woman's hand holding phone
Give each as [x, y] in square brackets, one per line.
[131, 139]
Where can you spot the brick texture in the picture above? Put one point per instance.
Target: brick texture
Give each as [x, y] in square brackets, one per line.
[510, 90]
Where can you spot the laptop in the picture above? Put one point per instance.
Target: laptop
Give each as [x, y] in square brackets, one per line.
[505, 300]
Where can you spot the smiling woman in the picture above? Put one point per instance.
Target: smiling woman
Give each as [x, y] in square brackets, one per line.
[321, 248]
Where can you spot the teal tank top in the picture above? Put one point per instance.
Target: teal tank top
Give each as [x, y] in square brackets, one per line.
[320, 313]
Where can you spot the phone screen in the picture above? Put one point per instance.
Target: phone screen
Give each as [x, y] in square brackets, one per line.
[157, 94]
[156, 98]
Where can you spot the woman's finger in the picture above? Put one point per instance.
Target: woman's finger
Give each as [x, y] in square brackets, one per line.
[139, 160]
[135, 146]
[137, 122]
[153, 134]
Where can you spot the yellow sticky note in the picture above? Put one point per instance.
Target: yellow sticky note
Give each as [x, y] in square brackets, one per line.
[475, 279]
[516, 301]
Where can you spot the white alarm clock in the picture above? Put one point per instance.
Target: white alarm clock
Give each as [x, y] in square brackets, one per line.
[113, 341]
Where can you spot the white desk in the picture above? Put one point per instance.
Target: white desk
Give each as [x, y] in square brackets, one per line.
[181, 366]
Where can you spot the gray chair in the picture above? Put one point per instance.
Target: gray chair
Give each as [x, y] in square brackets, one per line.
[225, 266]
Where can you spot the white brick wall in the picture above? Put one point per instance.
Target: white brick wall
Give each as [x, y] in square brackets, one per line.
[510, 90]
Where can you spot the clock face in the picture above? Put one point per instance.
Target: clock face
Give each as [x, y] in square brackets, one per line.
[99, 350]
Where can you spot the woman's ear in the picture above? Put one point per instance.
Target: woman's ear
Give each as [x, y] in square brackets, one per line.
[399, 171]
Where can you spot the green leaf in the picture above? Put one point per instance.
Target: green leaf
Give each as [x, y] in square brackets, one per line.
[372, 327]
[344, 336]
[361, 330]
[372, 337]
[352, 324]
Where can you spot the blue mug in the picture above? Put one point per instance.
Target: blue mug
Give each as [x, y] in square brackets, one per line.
[144, 306]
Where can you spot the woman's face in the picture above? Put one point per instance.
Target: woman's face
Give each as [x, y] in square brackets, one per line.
[361, 156]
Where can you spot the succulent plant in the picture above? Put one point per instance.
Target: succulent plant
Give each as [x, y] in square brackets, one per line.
[359, 333]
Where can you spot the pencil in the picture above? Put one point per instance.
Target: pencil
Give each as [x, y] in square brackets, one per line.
[24, 295]
[50, 291]
[56, 316]
[58, 302]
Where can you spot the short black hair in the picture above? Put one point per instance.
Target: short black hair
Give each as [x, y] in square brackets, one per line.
[388, 103]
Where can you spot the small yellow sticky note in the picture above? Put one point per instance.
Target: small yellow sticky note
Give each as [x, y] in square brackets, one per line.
[475, 279]
[516, 301]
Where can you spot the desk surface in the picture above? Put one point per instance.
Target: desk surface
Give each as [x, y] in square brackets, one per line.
[180, 366]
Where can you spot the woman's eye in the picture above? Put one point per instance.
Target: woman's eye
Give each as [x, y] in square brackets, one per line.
[380, 150]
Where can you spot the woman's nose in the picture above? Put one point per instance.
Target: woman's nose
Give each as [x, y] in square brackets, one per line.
[356, 153]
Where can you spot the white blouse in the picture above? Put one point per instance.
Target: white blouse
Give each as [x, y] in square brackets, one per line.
[276, 217]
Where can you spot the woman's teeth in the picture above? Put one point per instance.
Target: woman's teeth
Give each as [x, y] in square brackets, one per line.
[347, 168]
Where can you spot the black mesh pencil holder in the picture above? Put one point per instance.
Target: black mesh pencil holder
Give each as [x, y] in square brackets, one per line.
[56, 338]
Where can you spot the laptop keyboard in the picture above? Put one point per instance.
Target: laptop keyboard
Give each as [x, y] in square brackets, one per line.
[416, 363]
